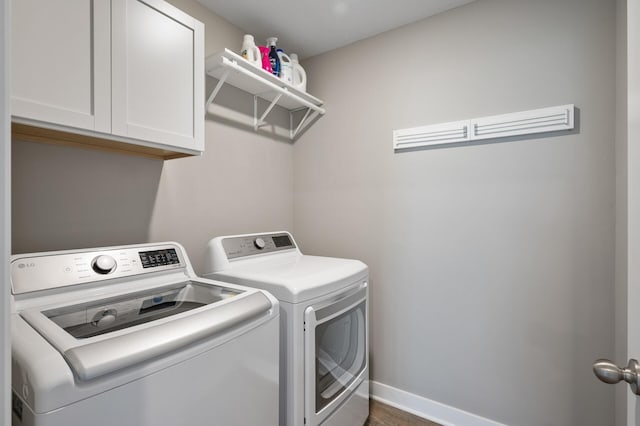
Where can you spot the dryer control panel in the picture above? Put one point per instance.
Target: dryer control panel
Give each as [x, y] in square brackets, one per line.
[249, 245]
[41, 271]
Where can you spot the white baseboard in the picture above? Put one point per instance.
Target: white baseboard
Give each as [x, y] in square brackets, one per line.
[426, 408]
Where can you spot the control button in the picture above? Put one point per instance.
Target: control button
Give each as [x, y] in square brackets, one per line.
[259, 243]
[103, 264]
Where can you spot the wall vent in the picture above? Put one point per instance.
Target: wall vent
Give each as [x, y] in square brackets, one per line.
[431, 135]
[498, 126]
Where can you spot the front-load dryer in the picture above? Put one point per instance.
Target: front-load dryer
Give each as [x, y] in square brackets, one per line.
[324, 363]
[130, 336]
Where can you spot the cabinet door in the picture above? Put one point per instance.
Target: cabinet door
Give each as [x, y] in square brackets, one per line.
[157, 74]
[61, 62]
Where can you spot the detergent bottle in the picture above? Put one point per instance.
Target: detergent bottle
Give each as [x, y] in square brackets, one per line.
[286, 67]
[266, 63]
[299, 74]
[250, 51]
[273, 56]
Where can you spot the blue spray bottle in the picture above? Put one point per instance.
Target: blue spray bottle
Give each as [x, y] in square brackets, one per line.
[273, 56]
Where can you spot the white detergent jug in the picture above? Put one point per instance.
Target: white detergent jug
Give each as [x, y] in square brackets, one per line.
[299, 75]
[286, 67]
[250, 51]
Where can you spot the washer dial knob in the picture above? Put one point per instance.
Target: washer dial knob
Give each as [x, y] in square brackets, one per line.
[103, 264]
[259, 243]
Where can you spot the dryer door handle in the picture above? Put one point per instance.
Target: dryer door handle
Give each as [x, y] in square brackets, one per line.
[342, 304]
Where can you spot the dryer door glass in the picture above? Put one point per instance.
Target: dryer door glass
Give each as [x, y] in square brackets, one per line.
[340, 353]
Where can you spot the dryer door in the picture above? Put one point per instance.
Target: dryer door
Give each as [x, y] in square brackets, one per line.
[335, 352]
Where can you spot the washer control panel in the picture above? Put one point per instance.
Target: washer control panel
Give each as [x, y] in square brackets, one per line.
[250, 245]
[41, 271]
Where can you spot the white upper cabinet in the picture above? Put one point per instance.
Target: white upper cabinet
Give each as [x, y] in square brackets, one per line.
[128, 71]
[158, 73]
[61, 62]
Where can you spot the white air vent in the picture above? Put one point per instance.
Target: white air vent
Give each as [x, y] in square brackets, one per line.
[431, 135]
[498, 126]
[524, 123]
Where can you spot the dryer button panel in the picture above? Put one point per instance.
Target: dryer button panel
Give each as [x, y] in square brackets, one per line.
[249, 245]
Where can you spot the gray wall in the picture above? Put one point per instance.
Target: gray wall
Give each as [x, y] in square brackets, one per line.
[69, 198]
[492, 266]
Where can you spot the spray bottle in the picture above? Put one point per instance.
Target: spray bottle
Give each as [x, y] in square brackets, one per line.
[273, 56]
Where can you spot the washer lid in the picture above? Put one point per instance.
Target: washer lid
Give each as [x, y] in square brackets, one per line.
[154, 323]
[295, 278]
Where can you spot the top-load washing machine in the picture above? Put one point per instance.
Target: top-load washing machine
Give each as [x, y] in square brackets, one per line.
[324, 363]
[130, 336]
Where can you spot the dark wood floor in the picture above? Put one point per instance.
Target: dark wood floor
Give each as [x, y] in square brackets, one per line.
[383, 415]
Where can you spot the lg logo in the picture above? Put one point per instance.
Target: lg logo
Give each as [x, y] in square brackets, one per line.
[26, 265]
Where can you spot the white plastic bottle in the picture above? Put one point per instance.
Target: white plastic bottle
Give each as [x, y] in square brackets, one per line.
[286, 67]
[250, 51]
[299, 74]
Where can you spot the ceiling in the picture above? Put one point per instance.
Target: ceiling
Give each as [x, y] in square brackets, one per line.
[311, 27]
